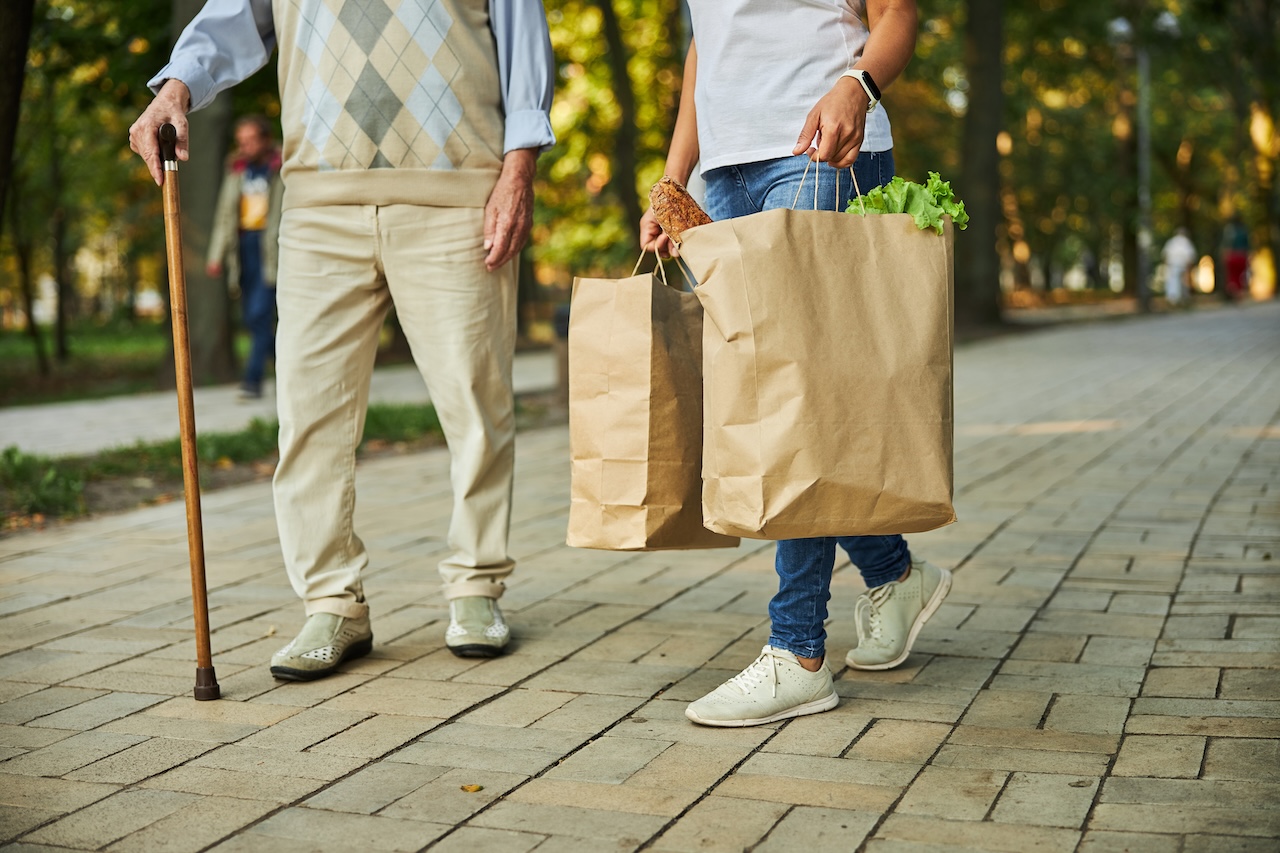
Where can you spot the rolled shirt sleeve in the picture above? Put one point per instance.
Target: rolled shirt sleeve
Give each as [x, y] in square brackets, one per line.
[526, 69]
[226, 42]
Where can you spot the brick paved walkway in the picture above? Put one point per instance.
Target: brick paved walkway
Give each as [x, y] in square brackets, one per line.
[1102, 678]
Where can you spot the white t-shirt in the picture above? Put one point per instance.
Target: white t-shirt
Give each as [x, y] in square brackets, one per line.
[763, 64]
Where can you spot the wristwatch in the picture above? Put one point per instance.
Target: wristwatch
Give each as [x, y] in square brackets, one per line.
[868, 85]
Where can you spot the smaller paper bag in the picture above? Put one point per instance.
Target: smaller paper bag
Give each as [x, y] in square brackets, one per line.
[635, 417]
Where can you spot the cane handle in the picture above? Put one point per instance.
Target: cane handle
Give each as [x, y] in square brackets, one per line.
[168, 143]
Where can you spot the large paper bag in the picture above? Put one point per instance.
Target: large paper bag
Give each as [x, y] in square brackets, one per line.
[827, 362]
[635, 417]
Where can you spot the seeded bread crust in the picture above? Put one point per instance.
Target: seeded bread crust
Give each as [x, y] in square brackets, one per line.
[675, 209]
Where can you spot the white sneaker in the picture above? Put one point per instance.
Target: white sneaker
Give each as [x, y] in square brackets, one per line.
[889, 617]
[773, 688]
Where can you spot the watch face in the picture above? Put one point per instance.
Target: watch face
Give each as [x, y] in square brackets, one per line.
[871, 84]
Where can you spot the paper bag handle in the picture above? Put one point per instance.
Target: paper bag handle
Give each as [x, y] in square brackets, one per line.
[662, 270]
[805, 176]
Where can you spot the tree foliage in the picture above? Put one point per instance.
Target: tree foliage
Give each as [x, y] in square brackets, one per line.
[1063, 187]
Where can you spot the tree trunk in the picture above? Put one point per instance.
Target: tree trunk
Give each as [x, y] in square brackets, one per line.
[61, 261]
[623, 180]
[977, 262]
[209, 305]
[15, 34]
[26, 281]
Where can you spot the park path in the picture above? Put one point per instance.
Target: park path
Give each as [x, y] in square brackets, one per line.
[1102, 678]
[87, 426]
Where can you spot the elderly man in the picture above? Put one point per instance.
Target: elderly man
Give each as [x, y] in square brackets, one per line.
[411, 130]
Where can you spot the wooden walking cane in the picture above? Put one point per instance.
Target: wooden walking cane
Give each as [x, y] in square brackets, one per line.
[206, 680]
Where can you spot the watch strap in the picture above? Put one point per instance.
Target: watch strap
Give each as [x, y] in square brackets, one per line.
[868, 85]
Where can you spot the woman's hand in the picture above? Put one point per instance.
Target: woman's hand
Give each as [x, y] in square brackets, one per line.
[653, 239]
[835, 127]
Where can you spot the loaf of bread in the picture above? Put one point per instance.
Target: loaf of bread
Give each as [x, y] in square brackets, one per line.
[674, 208]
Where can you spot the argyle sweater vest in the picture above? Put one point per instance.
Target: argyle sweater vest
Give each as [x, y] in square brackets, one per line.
[388, 102]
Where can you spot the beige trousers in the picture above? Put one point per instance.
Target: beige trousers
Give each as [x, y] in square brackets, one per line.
[341, 267]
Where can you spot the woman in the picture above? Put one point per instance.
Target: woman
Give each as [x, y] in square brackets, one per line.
[758, 73]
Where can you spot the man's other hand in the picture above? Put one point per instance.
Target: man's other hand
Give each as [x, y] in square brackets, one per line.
[508, 216]
[169, 107]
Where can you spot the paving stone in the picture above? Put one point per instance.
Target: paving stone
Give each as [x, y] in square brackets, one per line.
[519, 708]
[215, 782]
[277, 762]
[637, 680]
[830, 769]
[615, 827]
[142, 761]
[954, 793]
[1206, 708]
[43, 702]
[689, 766]
[323, 828]
[68, 754]
[308, 694]
[1092, 679]
[1053, 647]
[1030, 760]
[244, 713]
[1243, 759]
[304, 729]
[1095, 714]
[474, 839]
[412, 698]
[1118, 651]
[148, 725]
[1210, 793]
[1250, 684]
[628, 798]
[1245, 727]
[194, 826]
[376, 736]
[665, 721]
[720, 824]
[95, 712]
[1187, 819]
[983, 835]
[587, 713]
[1238, 844]
[809, 792]
[1165, 756]
[110, 819]
[15, 821]
[1045, 799]
[24, 738]
[442, 798]
[806, 828]
[1186, 682]
[1101, 841]
[1040, 739]
[609, 759]
[374, 787]
[900, 741]
[1008, 709]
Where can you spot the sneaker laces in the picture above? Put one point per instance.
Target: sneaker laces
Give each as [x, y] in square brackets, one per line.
[763, 668]
[870, 605]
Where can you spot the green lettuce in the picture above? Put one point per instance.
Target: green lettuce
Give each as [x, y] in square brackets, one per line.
[927, 204]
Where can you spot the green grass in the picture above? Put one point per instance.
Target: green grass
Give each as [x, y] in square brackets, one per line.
[39, 486]
[106, 359]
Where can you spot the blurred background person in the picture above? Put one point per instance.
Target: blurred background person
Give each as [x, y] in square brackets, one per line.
[1235, 257]
[245, 240]
[1179, 256]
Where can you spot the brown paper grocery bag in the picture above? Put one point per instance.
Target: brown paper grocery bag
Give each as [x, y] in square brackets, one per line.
[827, 365]
[635, 417]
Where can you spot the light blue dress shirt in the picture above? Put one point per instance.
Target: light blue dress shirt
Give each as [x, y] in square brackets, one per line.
[231, 39]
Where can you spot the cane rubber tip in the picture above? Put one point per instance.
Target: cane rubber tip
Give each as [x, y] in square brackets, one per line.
[206, 684]
[168, 143]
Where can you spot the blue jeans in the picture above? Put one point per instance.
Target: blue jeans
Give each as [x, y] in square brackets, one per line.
[258, 301]
[804, 566]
